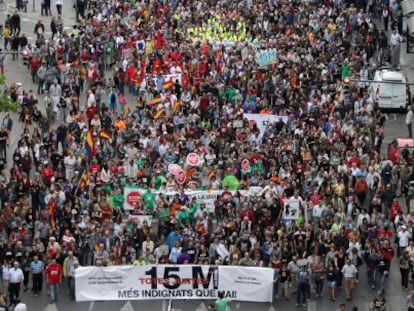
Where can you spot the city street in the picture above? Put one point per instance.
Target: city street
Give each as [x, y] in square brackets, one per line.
[395, 128]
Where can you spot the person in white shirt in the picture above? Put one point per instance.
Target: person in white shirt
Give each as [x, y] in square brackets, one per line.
[70, 162]
[395, 38]
[403, 239]
[362, 216]
[395, 42]
[59, 4]
[16, 278]
[55, 92]
[409, 121]
[349, 271]
[20, 306]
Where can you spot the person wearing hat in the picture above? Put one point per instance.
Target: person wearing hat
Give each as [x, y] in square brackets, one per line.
[378, 303]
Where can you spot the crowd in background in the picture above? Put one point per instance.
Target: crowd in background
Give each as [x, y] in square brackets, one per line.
[136, 86]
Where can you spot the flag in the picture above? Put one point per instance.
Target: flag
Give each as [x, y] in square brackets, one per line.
[167, 85]
[158, 113]
[177, 105]
[84, 181]
[90, 143]
[105, 134]
[155, 101]
[52, 209]
[126, 111]
[210, 173]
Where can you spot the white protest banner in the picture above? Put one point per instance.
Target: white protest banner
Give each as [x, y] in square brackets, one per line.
[291, 209]
[140, 219]
[266, 57]
[263, 120]
[206, 197]
[173, 282]
[132, 196]
[248, 282]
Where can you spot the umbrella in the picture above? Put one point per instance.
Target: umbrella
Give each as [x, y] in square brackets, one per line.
[230, 181]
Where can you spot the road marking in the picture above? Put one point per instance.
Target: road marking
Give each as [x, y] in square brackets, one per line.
[202, 307]
[51, 307]
[271, 308]
[312, 306]
[127, 307]
[91, 306]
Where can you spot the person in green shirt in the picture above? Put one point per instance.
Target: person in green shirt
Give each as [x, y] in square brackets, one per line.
[193, 207]
[164, 213]
[222, 304]
[118, 199]
[345, 69]
[184, 217]
[149, 200]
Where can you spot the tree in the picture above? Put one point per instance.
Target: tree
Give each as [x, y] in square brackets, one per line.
[6, 103]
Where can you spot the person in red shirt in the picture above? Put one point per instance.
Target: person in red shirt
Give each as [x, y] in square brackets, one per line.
[395, 209]
[47, 173]
[54, 278]
[94, 168]
[385, 233]
[34, 65]
[388, 253]
[91, 112]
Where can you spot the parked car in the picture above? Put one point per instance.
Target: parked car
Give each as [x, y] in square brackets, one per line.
[389, 89]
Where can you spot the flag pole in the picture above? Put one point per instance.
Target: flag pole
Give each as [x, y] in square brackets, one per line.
[82, 150]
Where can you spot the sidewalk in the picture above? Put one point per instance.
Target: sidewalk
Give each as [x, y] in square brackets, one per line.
[407, 65]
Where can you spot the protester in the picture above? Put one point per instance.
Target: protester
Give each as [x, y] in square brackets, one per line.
[222, 304]
[54, 278]
[16, 279]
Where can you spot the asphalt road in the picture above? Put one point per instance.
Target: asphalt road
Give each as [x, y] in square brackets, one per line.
[395, 128]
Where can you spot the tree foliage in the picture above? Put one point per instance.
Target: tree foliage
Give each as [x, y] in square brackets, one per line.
[6, 103]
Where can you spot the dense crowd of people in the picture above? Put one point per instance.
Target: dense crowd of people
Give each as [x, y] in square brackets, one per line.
[135, 87]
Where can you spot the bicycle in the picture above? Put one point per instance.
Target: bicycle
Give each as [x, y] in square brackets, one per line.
[2, 5]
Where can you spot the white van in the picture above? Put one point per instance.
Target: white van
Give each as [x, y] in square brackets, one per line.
[389, 89]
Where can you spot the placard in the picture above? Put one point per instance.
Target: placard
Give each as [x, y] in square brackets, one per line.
[291, 209]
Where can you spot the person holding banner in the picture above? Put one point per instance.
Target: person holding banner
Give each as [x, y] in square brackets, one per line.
[222, 304]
